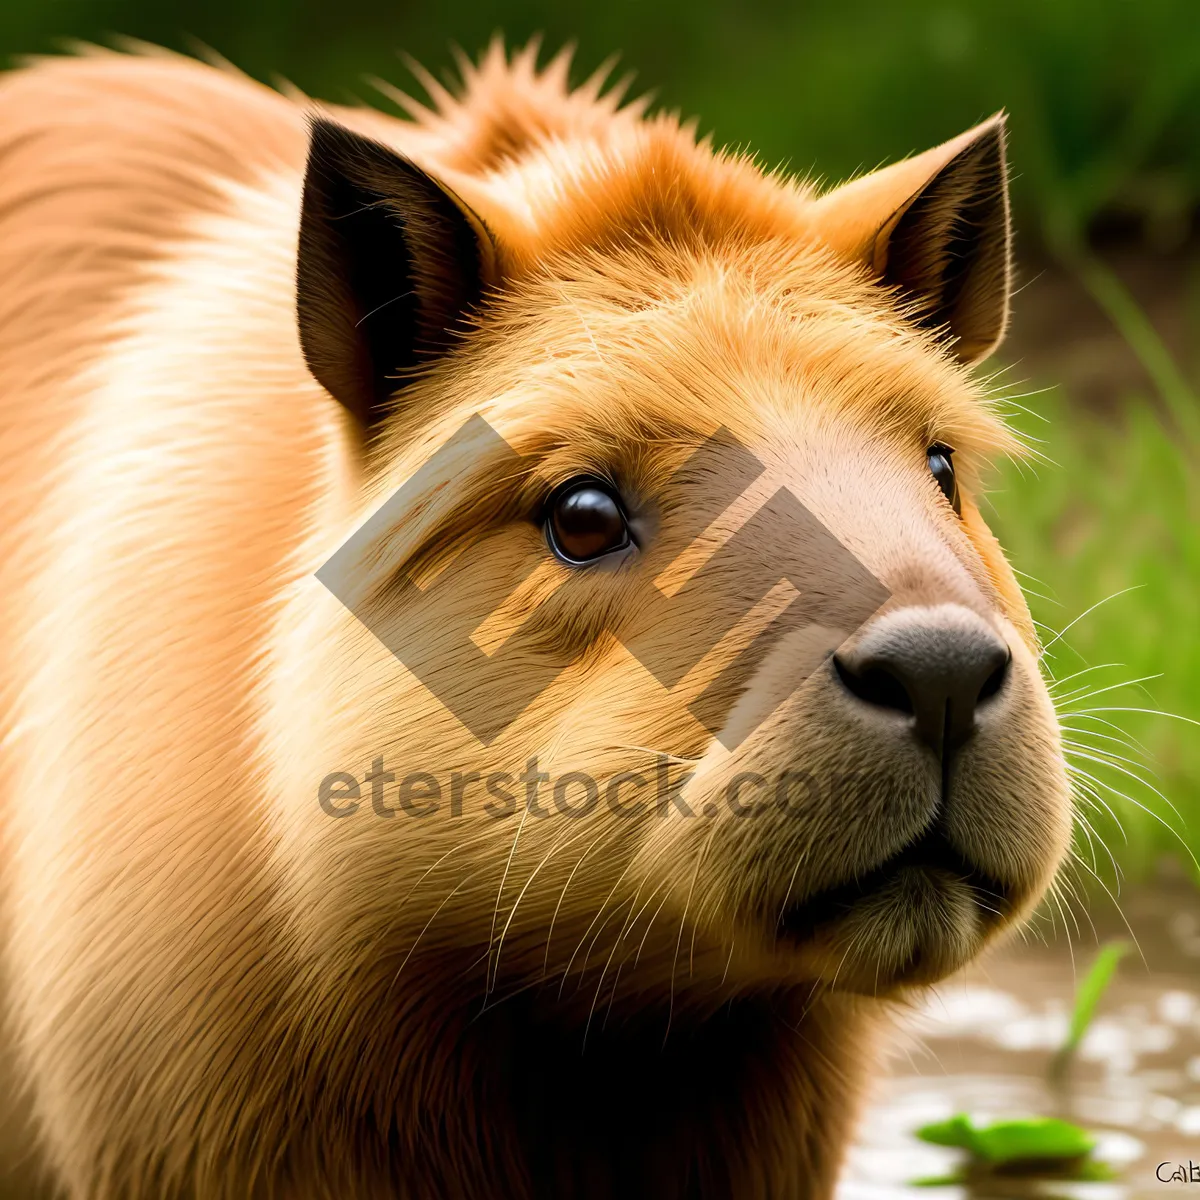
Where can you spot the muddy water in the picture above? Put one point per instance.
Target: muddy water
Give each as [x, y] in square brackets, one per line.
[983, 1042]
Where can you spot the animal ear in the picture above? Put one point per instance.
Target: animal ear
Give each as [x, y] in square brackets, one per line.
[936, 227]
[390, 260]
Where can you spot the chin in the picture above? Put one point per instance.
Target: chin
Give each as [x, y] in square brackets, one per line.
[910, 922]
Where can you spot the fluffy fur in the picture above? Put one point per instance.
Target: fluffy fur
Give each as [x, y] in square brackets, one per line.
[215, 989]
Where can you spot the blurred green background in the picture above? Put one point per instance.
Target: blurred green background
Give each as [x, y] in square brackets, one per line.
[1101, 371]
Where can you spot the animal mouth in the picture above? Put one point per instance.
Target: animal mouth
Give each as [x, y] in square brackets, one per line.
[932, 853]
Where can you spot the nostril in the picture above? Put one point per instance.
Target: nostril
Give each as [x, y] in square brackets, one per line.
[995, 681]
[875, 685]
[938, 667]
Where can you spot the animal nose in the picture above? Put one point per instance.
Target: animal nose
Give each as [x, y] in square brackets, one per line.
[937, 665]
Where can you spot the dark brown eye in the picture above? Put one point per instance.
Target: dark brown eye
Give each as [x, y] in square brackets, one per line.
[941, 467]
[585, 521]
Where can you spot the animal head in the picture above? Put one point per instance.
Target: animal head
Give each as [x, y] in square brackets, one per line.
[668, 651]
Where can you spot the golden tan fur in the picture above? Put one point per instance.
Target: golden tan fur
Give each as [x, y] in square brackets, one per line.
[216, 990]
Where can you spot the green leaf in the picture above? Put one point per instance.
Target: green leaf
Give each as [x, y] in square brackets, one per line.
[1088, 996]
[1032, 1139]
[957, 1132]
[1024, 1139]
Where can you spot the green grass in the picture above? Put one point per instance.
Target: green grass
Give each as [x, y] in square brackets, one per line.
[1111, 523]
[1088, 994]
[1104, 94]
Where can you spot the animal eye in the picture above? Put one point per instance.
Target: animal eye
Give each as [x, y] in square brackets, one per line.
[585, 521]
[941, 467]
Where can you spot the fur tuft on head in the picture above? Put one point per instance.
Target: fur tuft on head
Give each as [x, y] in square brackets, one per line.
[506, 107]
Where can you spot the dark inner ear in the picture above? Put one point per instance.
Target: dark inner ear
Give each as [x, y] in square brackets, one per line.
[389, 263]
[948, 249]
